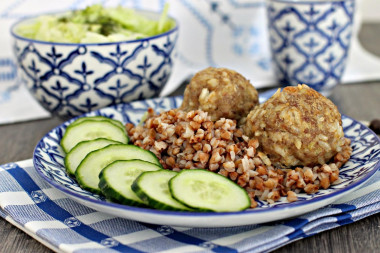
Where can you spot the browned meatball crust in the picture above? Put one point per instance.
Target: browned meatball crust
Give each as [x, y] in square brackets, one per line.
[297, 127]
[221, 92]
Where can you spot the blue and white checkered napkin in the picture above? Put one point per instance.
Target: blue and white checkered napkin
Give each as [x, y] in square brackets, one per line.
[63, 225]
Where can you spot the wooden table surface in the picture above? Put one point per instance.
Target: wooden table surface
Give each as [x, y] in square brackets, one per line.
[360, 101]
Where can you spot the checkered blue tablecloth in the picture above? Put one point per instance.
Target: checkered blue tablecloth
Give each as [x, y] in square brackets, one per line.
[63, 225]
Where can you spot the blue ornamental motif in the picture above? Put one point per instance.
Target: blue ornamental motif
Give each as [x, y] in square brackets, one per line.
[165, 230]
[9, 166]
[310, 41]
[109, 242]
[72, 222]
[72, 79]
[38, 196]
[8, 73]
[208, 245]
[8, 69]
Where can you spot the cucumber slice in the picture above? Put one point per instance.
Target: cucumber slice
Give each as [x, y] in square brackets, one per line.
[79, 152]
[153, 188]
[99, 118]
[207, 191]
[90, 130]
[116, 180]
[87, 173]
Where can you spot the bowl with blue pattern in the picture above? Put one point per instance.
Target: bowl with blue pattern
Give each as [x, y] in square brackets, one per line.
[69, 79]
[310, 41]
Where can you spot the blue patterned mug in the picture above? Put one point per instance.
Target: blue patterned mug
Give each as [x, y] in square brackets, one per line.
[70, 79]
[310, 40]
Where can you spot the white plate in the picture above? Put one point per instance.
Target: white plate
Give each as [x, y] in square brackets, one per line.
[48, 160]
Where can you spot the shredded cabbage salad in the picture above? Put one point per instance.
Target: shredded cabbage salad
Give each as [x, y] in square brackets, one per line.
[95, 24]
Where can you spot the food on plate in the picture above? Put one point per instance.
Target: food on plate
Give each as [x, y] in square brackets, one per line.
[207, 191]
[95, 24]
[81, 150]
[116, 180]
[98, 118]
[91, 129]
[87, 173]
[153, 188]
[108, 167]
[297, 127]
[221, 92]
[191, 140]
[197, 160]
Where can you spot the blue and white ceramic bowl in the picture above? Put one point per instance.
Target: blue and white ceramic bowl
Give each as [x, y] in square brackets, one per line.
[310, 40]
[70, 79]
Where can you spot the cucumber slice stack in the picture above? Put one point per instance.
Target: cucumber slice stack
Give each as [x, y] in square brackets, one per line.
[81, 150]
[190, 190]
[87, 173]
[116, 180]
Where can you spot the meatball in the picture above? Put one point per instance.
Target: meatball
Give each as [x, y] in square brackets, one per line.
[221, 92]
[297, 127]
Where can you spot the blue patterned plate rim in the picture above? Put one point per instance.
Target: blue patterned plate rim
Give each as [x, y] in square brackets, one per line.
[13, 33]
[270, 209]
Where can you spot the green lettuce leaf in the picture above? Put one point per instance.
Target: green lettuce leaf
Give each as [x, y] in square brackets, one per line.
[95, 24]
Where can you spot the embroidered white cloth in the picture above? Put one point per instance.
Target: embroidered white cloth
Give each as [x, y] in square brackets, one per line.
[63, 225]
[219, 33]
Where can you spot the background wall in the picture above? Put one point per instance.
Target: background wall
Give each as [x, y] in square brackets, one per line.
[370, 10]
